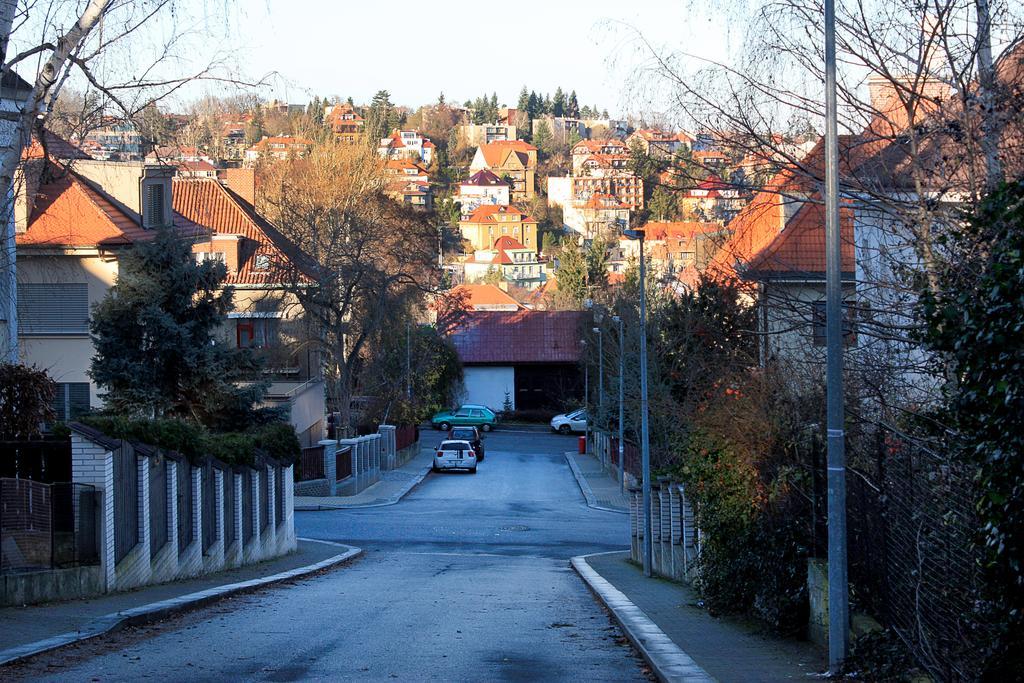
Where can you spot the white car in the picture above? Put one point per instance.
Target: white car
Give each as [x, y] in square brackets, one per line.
[455, 455]
[576, 421]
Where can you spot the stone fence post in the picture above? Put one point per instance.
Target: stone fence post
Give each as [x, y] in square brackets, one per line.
[330, 447]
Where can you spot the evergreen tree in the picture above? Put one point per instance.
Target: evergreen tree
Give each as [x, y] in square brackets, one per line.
[380, 118]
[586, 112]
[493, 109]
[572, 273]
[597, 264]
[440, 99]
[604, 114]
[533, 105]
[664, 205]
[156, 334]
[558, 104]
[542, 137]
[524, 100]
[254, 132]
[349, 102]
[572, 107]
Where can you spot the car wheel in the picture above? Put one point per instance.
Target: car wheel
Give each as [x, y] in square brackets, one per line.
[473, 471]
[486, 428]
[445, 426]
[564, 429]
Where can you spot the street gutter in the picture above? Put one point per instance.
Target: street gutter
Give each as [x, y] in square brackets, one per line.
[666, 659]
[156, 611]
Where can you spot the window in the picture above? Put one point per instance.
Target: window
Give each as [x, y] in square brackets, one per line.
[202, 256]
[155, 200]
[262, 262]
[818, 324]
[71, 400]
[53, 308]
[256, 333]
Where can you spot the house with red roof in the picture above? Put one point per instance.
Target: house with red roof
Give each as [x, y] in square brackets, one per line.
[598, 214]
[671, 247]
[711, 199]
[530, 358]
[345, 122]
[658, 143]
[483, 187]
[509, 260]
[483, 297]
[407, 144]
[279, 147]
[512, 160]
[489, 222]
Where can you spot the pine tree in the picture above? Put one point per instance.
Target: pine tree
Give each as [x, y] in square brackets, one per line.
[542, 137]
[558, 104]
[254, 132]
[572, 272]
[533, 105]
[524, 100]
[604, 114]
[493, 110]
[440, 99]
[379, 118]
[159, 351]
[572, 107]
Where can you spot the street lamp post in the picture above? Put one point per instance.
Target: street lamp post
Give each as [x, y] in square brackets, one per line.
[600, 375]
[838, 597]
[622, 365]
[586, 395]
[645, 441]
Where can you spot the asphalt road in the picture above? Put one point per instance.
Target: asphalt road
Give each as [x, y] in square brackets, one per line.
[466, 579]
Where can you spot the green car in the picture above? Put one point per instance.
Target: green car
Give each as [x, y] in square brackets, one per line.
[469, 415]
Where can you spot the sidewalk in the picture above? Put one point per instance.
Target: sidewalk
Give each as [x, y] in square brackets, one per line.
[598, 487]
[725, 649]
[23, 628]
[393, 485]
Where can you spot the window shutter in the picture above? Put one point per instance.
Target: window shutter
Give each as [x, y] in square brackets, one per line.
[154, 207]
[53, 308]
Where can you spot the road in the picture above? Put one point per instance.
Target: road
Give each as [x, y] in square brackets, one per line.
[466, 579]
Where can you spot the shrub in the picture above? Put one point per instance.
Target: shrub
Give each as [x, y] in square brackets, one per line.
[26, 396]
[276, 439]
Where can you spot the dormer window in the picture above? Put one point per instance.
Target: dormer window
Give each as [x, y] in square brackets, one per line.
[262, 262]
[156, 198]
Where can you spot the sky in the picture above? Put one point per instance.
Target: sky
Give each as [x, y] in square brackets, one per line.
[416, 50]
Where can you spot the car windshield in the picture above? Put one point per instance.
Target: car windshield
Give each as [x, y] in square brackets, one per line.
[467, 434]
[576, 414]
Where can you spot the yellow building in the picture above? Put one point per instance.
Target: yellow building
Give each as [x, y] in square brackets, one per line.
[488, 223]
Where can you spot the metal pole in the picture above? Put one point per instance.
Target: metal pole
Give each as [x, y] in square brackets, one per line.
[600, 377]
[586, 402]
[645, 443]
[838, 607]
[622, 367]
[408, 361]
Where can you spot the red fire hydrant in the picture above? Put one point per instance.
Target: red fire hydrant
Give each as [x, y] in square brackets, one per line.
[583, 445]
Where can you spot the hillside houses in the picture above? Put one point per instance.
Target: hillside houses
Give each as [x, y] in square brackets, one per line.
[407, 144]
[511, 160]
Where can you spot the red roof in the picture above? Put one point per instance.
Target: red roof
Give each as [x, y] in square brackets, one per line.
[69, 212]
[206, 202]
[474, 296]
[485, 214]
[659, 230]
[56, 146]
[800, 248]
[523, 337]
[483, 178]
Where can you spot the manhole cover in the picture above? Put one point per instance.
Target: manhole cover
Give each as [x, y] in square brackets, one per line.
[515, 527]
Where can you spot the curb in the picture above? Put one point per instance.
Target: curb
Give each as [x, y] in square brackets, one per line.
[395, 498]
[667, 660]
[588, 492]
[156, 611]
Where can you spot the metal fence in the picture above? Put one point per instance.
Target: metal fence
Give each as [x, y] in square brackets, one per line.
[126, 500]
[264, 498]
[246, 505]
[184, 505]
[44, 526]
[157, 505]
[311, 464]
[278, 496]
[405, 436]
[209, 503]
[44, 460]
[912, 559]
[343, 463]
[229, 507]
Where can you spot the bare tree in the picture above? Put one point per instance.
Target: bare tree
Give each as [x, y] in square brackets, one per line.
[125, 54]
[360, 262]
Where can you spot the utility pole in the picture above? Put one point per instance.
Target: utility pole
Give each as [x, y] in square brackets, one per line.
[408, 361]
[645, 441]
[600, 375]
[622, 367]
[838, 606]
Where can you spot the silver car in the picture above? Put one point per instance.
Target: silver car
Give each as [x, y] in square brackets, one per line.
[566, 423]
[455, 454]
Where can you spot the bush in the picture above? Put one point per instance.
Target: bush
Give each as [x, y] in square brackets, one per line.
[26, 396]
[276, 439]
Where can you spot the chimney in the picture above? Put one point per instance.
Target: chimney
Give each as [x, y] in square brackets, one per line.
[241, 181]
[26, 186]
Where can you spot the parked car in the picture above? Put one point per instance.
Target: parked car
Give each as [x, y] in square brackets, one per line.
[566, 423]
[455, 454]
[468, 415]
[470, 434]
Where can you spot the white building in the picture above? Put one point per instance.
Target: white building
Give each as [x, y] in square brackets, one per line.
[483, 187]
[407, 144]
